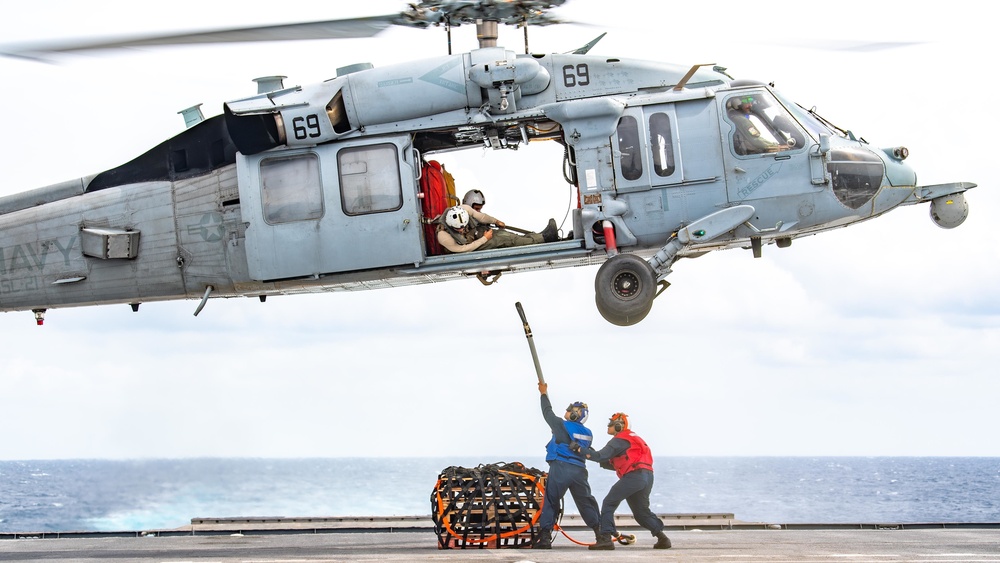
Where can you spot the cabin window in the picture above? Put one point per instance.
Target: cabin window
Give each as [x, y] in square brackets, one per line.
[662, 144]
[630, 161]
[369, 179]
[291, 189]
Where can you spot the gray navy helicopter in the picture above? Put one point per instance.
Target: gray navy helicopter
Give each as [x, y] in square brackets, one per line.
[333, 187]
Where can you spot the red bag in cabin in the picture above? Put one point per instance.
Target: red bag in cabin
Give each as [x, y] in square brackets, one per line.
[438, 189]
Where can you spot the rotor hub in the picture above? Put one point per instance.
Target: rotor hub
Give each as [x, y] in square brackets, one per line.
[457, 12]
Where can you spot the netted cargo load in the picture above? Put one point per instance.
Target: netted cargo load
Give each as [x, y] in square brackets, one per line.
[489, 506]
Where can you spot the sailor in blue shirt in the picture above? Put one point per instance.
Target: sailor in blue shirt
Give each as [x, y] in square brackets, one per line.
[567, 469]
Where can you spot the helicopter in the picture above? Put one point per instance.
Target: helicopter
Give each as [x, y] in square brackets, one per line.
[327, 187]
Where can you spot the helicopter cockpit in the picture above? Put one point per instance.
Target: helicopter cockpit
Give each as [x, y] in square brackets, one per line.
[855, 171]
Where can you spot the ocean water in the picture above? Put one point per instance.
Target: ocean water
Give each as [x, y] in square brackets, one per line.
[102, 495]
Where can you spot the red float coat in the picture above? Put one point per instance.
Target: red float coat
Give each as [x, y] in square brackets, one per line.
[637, 456]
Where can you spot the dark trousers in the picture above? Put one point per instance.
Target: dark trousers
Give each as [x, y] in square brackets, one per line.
[634, 488]
[562, 477]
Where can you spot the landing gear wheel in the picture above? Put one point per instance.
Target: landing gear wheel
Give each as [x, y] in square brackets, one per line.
[625, 287]
[620, 320]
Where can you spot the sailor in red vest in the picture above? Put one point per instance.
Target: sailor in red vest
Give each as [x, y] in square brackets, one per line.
[631, 459]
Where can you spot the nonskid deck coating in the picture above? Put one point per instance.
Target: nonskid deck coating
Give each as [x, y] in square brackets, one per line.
[412, 540]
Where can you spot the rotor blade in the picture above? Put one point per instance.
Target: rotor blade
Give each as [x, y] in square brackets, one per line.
[847, 45]
[330, 29]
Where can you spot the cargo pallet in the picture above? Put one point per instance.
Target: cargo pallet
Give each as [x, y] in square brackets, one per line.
[489, 506]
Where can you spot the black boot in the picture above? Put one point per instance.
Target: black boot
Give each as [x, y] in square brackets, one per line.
[543, 540]
[662, 541]
[604, 541]
[551, 232]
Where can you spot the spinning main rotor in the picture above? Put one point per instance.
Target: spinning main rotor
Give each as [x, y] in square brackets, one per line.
[485, 14]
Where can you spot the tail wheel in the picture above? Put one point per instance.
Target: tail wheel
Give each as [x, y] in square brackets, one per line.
[625, 287]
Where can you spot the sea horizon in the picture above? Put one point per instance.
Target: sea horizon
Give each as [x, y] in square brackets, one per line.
[166, 493]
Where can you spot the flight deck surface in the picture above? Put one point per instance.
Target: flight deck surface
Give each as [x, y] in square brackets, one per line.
[415, 541]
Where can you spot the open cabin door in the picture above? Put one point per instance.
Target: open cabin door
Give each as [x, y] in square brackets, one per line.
[332, 208]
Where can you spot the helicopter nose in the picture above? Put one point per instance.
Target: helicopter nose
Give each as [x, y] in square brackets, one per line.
[898, 173]
[898, 182]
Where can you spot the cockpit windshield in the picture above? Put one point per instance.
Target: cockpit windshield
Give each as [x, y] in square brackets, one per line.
[815, 124]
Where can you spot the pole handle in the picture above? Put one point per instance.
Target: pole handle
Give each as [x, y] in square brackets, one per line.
[524, 320]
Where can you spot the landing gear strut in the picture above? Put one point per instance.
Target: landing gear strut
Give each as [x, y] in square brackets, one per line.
[626, 284]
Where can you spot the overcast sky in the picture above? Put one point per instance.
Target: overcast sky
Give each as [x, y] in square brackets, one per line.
[879, 339]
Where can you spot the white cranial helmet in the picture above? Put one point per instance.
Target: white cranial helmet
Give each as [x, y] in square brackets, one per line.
[474, 197]
[456, 217]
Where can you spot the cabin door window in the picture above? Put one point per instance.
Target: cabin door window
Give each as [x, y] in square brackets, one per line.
[369, 179]
[291, 189]
[661, 143]
[629, 148]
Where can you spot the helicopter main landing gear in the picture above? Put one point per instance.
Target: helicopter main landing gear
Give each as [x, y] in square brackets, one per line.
[626, 284]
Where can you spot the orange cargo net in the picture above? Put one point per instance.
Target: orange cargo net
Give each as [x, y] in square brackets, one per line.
[489, 506]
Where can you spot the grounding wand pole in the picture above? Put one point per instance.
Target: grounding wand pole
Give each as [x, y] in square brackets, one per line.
[531, 342]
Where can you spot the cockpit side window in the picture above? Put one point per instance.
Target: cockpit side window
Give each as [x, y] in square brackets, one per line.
[761, 125]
